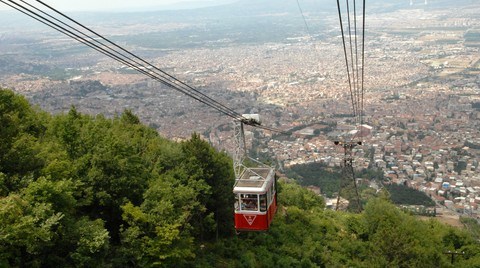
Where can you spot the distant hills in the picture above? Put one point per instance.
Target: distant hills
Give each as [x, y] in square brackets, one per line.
[243, 9]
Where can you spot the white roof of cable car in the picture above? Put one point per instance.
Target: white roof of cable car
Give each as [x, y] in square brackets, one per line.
[254, 180]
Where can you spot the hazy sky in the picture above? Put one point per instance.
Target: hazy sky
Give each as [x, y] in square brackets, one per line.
[115, 5]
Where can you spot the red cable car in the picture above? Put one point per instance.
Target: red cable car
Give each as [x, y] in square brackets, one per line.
[255, 199]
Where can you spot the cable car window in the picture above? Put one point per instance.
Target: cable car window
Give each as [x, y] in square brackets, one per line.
[249, 202]
[263, 202]
[237, 203]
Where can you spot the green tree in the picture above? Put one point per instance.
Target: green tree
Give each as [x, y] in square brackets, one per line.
[398, 239]
[294, 195]
[25, 231]
[128, 117]
[215, 169]
[91, 243]
[71, 240]
[21, 126]
[114, 169]
[159, 231]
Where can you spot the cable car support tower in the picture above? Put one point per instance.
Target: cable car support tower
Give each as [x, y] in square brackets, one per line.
[348, 174]
[354, 63]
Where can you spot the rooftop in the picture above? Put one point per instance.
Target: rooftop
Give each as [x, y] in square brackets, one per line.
[254, 179]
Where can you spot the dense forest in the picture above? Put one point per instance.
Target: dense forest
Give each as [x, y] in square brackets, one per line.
[88, 191]
[316, 174]
[327, 178]
[401, 194]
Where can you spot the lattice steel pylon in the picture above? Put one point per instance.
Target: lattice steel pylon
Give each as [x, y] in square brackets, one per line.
[348, 175]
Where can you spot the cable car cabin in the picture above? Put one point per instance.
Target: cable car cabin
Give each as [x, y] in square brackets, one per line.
[255, 199]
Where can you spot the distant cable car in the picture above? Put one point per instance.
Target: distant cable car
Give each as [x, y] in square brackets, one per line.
[255, 187]
[255, 199]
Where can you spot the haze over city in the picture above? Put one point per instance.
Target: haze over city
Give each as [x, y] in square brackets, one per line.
[128, 6]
